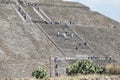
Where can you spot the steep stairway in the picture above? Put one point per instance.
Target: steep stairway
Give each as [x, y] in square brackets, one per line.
[71, 46]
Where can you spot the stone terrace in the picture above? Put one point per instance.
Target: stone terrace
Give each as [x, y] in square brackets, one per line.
[81, 15]
[23, 48]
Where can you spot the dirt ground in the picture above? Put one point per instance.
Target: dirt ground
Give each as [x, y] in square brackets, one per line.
[79, 77]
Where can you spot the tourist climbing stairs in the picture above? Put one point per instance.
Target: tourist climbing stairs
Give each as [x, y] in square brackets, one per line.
[71, 45]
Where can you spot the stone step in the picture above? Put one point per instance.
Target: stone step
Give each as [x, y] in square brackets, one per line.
[62, 40]
[32, 13]
[70, 46]
[53, 26]
[75, 38]
[79, 52]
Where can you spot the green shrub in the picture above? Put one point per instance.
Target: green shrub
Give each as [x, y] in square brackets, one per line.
[100, 69]
[84, 67]
[40, 73]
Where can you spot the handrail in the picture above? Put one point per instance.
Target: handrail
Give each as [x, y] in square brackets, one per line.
[18, 13]
[45, 15]
[92, 49]
[25, 12]
[39, 14]
[39, 26]
[80, 38]
[86, 58]
[18, 5]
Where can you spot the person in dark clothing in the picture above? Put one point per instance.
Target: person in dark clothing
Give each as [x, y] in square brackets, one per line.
[20, 2]
[19, 9]
[56, 66]
[85, 43]
[79, 44]
[55, 60]
[56, 74]
[70, 22]
[24, 15]
[65, 25]
[76, 47]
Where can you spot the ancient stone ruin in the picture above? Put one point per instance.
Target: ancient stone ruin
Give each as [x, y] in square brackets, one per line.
[53, 32]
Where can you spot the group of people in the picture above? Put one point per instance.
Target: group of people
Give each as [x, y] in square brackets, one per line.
[80, 44]
[21, 2]
[100, 58]
[65, 34]
[22, 12]
[68, 35]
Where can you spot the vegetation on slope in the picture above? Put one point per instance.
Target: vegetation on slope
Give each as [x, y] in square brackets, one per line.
[40, 73]
[113, 69]
[84, 67]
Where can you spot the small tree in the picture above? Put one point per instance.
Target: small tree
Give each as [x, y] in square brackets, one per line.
[99, 69]
[40, 73]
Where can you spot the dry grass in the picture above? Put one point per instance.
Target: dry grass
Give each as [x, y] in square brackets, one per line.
[113, 69]
[80, 77]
